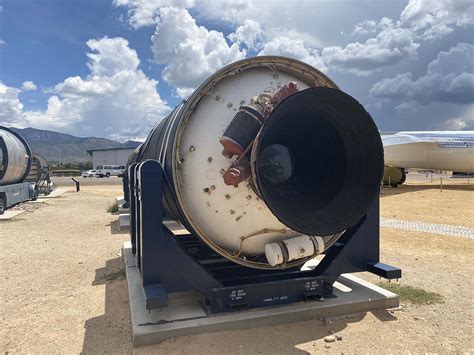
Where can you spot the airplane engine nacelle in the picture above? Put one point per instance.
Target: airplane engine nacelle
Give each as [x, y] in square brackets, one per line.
[393, 176]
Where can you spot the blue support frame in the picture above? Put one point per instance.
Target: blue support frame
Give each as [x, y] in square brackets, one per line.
[149, 176]
[170, 263]
[132, 205]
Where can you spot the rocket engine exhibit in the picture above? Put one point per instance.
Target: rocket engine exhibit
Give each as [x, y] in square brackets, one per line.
[39, 175]
[266, 165]
[15, 165]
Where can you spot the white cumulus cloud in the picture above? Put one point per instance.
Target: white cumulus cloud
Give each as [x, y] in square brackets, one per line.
[250, 34]
[234, 11]
[391, 45]
[276, 27]
[371, 27]
[115, 98]
[142, 12]
[365, 27]
[28, 86]
[434, 18]
[112, 56]
[11, 108]
[189, 52]
[294, 48]
[449, 78]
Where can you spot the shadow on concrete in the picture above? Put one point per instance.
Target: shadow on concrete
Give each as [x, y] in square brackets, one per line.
[111, 331]
[115, 228]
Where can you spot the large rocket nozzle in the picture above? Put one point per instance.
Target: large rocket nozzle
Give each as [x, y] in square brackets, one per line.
[318, 161]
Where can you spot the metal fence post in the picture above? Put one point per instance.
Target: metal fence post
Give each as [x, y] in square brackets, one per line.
[132, 206]
[78, 187]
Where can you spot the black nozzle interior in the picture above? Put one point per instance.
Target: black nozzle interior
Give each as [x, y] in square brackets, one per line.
[319, 161]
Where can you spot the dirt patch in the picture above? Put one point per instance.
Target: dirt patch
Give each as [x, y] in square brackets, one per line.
[62, 290]
[94, 181]
[424, 201]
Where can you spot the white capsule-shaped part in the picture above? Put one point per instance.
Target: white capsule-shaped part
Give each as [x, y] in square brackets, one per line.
[293, 248]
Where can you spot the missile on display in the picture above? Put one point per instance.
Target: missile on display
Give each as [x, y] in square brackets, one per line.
[268, 162]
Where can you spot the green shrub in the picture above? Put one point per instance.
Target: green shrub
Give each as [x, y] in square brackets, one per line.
[112, 207]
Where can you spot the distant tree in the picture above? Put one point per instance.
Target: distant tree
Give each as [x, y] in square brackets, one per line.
[85, 165]
[73, 166]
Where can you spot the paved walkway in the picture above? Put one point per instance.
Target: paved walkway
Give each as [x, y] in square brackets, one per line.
[446, 229]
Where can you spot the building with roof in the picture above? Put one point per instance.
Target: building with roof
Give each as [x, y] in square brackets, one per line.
[110, 156]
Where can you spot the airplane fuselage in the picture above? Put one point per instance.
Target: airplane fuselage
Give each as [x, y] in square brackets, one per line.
[430, 150]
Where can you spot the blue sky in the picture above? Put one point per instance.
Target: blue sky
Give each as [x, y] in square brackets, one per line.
[47, 41]
[93, 67]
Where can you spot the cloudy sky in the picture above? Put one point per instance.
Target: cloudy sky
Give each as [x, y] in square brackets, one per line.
[113, 68]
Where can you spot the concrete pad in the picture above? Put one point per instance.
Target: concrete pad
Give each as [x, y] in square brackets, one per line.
[124, 221]
[54, 193]
[173, 225]
[186, 316]
[120, 201]
[176, 227]
[9, 214]
[122, 210]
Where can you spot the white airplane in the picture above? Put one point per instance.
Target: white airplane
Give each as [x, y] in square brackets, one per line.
[430, 150]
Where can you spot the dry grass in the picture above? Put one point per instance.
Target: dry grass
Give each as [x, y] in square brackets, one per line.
[112, 207]
[414, 295]
[426, 203]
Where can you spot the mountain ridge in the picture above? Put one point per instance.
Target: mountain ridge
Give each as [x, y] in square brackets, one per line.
[59, 147]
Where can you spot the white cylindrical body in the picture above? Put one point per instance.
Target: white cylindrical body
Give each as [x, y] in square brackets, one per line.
[233, 220]
[15, 157]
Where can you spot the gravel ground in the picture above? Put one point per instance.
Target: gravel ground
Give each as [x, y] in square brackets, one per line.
[95, 181]
[62, 288]
[445, 229]
[423, 201]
